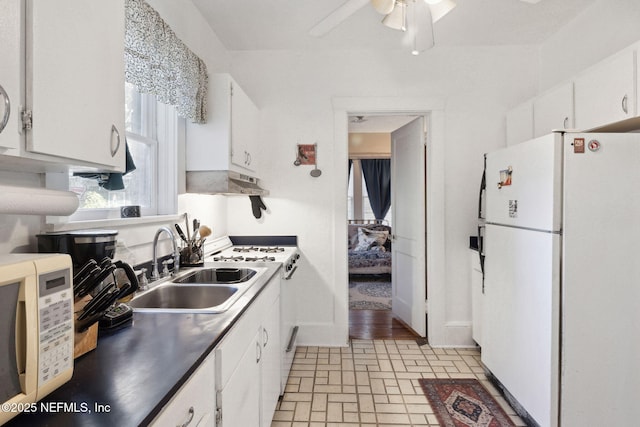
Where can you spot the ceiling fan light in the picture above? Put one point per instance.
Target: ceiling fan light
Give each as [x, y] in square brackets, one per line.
[421, 28]
[383, 7]
[397, 19]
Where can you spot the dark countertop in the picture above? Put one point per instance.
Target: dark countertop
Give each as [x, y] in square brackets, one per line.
[137, 370]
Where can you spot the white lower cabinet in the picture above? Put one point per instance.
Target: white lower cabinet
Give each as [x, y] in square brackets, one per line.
[194, 403]
[248, 364]
[270, 362]
[239, 401]
[476, 296]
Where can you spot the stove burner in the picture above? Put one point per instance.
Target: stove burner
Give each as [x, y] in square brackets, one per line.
[271, 250]
[264, 258]
[245, 249]
[228, 258]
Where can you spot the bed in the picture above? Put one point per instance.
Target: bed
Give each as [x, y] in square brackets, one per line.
[369, 247]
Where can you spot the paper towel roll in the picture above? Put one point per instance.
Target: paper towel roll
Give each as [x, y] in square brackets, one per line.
[36, 201]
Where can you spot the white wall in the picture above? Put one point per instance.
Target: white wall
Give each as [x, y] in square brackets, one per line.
[599, 31]
[295, 91]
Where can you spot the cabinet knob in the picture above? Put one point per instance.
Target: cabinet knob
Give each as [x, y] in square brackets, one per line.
[7, 109]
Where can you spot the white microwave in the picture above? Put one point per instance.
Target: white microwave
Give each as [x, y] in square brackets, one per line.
[36, 328]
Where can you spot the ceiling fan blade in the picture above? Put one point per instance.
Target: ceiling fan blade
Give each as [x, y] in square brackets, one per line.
[336, 17]
[383, 7]
[443, 7]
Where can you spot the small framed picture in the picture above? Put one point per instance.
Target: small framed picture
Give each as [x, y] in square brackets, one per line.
[306, 154]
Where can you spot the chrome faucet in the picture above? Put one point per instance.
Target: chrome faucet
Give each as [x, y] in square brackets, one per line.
[176, 254]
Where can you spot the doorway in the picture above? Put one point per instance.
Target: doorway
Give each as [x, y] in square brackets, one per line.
[380, 302]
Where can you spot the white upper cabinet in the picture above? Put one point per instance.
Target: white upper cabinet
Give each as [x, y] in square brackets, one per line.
[63, 65]
[553, 110]
[75, 80]
[606, 93]
[228, 140]
[11, 66]
[520, 123]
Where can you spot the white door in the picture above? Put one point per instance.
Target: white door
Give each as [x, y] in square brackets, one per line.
[408, 212]
[606, 94]
[521, 310]
[76, 80]
[530, 188]
[553, 110]
[11, 68]
[601, 273]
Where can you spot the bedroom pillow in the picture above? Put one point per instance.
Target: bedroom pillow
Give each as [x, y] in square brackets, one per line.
[368, 238]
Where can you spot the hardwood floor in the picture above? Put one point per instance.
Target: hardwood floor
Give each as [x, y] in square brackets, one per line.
[377, 324]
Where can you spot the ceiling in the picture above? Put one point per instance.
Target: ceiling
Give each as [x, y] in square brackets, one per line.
[378, 124]
[285, 24]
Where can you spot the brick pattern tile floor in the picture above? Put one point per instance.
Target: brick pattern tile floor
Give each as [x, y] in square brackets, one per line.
[372, 383]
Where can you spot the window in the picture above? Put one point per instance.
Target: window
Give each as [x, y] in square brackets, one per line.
[149, 148]
[358, 205]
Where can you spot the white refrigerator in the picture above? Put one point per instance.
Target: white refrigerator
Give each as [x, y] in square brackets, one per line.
[561, 253]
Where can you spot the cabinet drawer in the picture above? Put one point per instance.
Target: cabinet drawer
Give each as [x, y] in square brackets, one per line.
[194, 402]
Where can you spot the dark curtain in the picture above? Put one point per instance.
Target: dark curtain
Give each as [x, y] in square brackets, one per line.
[377, 176]
[349, 170]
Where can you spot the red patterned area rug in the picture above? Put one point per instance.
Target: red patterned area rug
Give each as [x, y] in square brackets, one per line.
[464, 403]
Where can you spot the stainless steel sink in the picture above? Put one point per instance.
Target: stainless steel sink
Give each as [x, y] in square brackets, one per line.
[213, 299]
[218, 275]
[203, 290]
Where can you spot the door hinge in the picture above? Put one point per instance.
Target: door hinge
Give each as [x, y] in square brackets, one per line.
[27, 119]
[231, 88]
[218, 408]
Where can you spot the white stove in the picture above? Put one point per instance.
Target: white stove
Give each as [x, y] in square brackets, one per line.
[287, 255]
[282, 249]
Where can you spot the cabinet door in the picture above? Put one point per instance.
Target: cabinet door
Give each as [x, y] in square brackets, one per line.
[239, 400]
[244, 125]
[11, 72]
[605, 94]
[75, 80]
[553, 110]
[520, 123]
[271, 363]
[476, 297]
[194, 403]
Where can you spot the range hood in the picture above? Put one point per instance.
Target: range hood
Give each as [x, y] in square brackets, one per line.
[223, 182]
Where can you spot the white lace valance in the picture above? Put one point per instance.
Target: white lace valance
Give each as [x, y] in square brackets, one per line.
[157, 62]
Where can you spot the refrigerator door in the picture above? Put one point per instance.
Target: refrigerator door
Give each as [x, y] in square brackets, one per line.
[600, 381]
[524, 184]
[521, 314]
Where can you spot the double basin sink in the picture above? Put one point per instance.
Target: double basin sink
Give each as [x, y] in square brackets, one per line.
[205, 290]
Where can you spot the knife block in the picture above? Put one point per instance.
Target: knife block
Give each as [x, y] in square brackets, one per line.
[86, 341]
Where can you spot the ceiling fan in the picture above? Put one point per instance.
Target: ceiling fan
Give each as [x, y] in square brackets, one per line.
[414, 17]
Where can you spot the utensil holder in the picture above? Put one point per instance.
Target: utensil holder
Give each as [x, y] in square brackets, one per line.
[191, 256]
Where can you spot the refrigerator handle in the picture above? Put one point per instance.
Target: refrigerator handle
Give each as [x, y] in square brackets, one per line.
[483, 187]
[481, 228]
